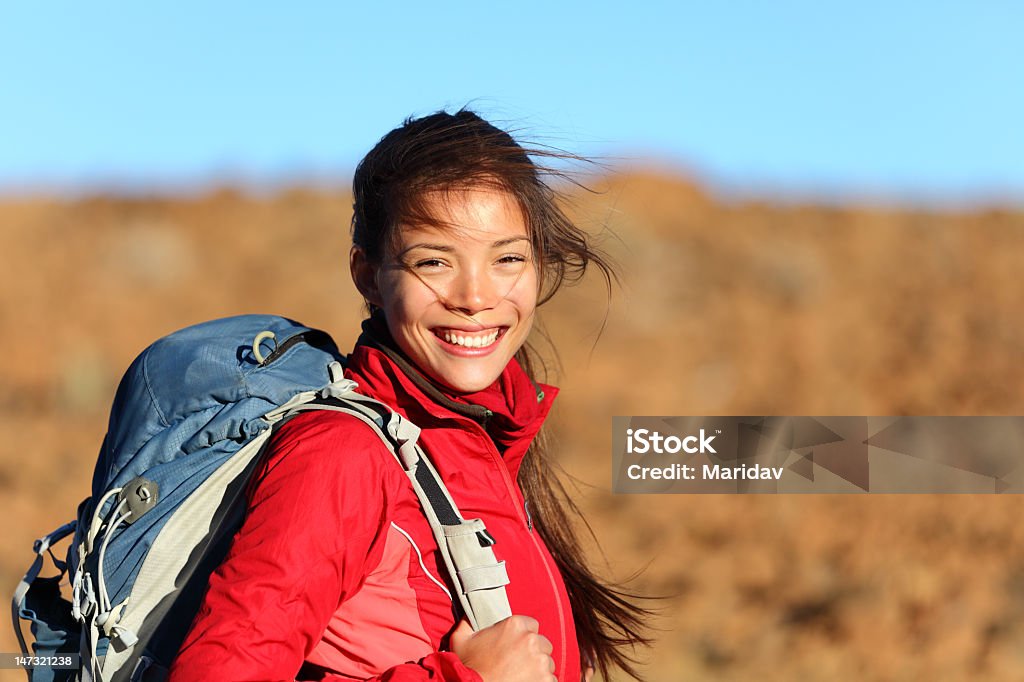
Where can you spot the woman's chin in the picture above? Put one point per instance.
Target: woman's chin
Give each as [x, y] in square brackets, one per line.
[464, 379]
[467, 385]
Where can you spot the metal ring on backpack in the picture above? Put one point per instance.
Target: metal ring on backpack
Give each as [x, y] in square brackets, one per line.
[262, 336]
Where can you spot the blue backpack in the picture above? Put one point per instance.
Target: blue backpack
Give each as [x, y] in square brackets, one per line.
[189, 421]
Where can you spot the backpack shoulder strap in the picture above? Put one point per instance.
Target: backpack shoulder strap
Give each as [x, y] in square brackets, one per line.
[465, 544]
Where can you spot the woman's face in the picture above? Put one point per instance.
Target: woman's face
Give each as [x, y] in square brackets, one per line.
[459, 300]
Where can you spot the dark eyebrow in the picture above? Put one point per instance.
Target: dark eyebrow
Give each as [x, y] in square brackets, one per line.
[431, 247]
[449, 249]
[510, 240]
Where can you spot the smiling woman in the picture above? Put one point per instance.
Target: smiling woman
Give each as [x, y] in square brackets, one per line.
[458, 301]
[335, 573]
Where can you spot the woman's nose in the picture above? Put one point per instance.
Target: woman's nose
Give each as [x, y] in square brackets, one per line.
[472, 291]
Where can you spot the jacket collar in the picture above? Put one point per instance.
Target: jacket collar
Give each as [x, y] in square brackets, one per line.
[511, 410]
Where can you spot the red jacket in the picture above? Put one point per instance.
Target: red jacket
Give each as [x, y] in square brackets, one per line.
[335, 570]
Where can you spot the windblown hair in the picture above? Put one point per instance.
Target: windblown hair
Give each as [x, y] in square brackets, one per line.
[394, 185]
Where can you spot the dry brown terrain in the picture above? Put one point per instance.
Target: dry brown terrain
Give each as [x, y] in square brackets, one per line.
[726, 308]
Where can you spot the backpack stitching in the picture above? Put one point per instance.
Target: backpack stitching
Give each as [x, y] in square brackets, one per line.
[152, 397]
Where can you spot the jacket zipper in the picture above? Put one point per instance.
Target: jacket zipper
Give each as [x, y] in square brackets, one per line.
[558, 601]
[528, 523]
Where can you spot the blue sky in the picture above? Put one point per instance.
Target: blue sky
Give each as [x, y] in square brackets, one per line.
[920, 100]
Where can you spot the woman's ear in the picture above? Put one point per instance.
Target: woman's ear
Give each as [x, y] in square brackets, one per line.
[364, 275]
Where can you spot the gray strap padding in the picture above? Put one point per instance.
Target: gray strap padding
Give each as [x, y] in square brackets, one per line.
[472, 557]
[483, 577]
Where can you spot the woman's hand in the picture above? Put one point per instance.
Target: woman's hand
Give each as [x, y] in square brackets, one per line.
[512, 650]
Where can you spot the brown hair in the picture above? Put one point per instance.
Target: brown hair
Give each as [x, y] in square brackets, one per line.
[446, 152]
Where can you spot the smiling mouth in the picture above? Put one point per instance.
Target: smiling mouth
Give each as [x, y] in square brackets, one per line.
[479, 339]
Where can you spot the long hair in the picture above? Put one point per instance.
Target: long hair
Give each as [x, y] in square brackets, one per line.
[393, 185]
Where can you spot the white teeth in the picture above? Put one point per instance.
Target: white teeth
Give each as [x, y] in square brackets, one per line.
[471, 341]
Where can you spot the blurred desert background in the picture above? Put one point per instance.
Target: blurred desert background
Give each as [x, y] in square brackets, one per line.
[727, 306]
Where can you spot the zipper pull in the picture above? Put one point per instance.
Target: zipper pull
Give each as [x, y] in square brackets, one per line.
[529, 519]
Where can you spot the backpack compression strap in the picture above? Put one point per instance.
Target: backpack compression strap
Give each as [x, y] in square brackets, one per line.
[18, 603]
[465, 544]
